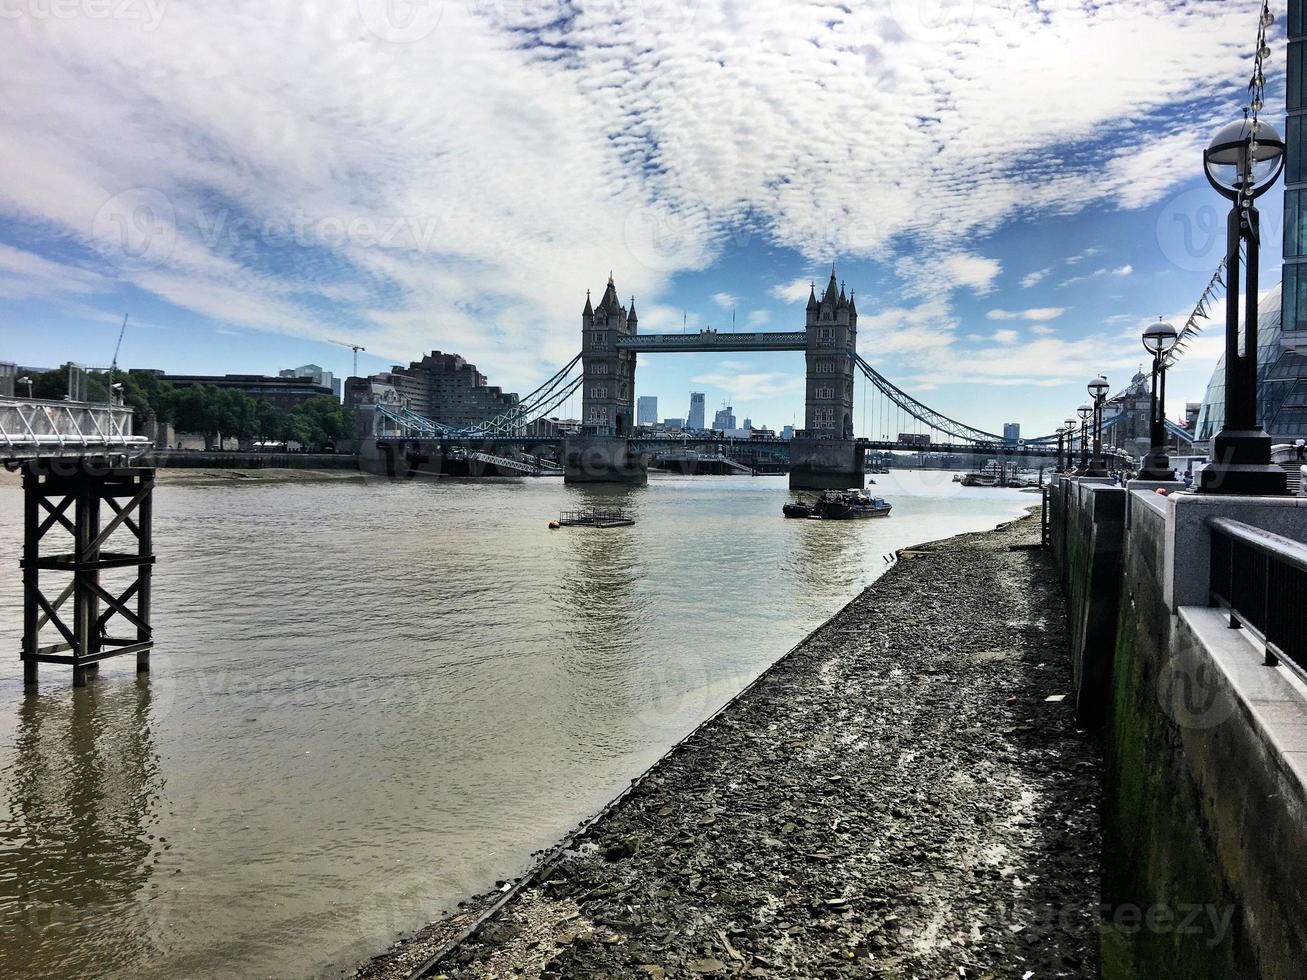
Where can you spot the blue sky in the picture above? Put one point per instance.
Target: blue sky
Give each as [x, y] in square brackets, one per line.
[1012, 187]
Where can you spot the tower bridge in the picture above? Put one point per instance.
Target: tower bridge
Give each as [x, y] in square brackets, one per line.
[609, 448]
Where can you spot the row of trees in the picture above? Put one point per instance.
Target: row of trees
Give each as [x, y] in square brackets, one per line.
[215, 413]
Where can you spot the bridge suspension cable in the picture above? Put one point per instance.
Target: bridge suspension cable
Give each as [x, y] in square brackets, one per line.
[538, 404]
[923, 413]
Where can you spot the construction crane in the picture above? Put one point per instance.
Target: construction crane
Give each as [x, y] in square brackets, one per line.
[355, 348]
[113, 366]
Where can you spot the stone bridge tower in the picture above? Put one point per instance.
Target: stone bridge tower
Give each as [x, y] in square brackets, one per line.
[608, 393]
[832, 337]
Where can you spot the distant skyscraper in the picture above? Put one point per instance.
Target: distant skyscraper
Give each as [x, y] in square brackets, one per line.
[695, 421]
[646, 410]
[787, 432]
[748, 423]
[1011, 431]
[673, 423]
[724, 419]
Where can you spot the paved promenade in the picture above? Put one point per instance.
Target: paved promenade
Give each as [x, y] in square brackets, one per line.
[898, 797]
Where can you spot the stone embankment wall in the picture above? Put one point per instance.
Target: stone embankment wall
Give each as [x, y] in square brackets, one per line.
[250, 461]
[1205, 777]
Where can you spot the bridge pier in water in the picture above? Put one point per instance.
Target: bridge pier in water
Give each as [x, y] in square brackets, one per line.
[826, 464]
[72, 494]
[603, 459]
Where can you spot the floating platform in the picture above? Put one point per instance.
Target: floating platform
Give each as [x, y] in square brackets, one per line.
[595, 518]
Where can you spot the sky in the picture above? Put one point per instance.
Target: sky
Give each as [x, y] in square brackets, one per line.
[1011, 188]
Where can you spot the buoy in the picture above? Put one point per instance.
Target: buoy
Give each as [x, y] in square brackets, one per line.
[554, 525]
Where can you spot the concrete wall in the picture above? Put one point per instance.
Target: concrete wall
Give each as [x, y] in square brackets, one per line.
[1205, 792]
[251, 461]
[1093, 522]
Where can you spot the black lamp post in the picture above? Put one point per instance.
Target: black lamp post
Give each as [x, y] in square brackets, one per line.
[1069, 426]
[1158, 339]
[1242, 163]
[1098, 392]
[1061, 445]
[1085, 412]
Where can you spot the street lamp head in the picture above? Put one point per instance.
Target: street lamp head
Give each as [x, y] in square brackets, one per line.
[1084, 411]
[1098, 387]
[1160, 337]
[24, 380]
[1069, 423]
[1244, 158]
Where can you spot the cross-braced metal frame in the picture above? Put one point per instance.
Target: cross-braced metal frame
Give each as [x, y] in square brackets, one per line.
[71, 496]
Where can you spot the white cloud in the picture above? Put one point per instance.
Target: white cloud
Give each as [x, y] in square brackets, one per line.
[759, 318]
[1041, 330]
[1040, 313]
[1005, 336]
[564, 143]
[794, 291]
[725, 300]
[941, 274]
[1035, 278]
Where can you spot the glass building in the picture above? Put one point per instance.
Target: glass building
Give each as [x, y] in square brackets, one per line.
[1281, 382]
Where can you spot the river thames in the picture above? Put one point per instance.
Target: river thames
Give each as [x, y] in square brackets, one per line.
[372, 699]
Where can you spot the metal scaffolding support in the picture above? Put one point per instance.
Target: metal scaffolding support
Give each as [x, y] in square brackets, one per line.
[72, 496]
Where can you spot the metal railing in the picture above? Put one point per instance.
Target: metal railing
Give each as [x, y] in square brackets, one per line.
[1260, 578]
[38, 427]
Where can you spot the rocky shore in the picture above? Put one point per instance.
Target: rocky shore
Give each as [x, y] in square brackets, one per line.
[904, 795]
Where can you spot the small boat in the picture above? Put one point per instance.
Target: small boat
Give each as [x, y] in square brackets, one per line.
[849, 505]
[797, 510]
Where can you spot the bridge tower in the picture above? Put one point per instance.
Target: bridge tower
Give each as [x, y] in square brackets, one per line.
[832, 329]
[600, 452]
[825, 455]
[608, 396]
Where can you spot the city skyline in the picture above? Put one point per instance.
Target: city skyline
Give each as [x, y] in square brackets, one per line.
[1008, 267]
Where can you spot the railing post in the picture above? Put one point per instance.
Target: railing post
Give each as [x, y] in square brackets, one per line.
[1270, 659]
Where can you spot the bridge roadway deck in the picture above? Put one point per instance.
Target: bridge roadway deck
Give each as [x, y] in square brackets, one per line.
[708, 340]
[645, 443]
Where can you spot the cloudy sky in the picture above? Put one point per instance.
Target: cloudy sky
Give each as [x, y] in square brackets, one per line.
[1012, 187]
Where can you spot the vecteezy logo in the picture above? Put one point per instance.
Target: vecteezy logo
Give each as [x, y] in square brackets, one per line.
[1191, 230]
[137, 228]
[661, 240]
[1190, 691]
[933, 21]
[401, 21]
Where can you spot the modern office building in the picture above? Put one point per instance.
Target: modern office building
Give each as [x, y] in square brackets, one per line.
[1012, 432]
[695, 420]
[315, 372]
[724, 419]
[673, 423]
[1294, 320]
[1281, 382]
[285, 393]
[8, 372]
[787, 432]
[646, 410]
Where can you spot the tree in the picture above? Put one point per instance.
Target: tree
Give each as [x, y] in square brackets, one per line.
[195, 409]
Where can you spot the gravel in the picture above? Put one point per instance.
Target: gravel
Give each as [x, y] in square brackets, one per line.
[903, 795]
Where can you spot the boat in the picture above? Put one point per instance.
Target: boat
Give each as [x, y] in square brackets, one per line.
[797, 510]
[849, 505]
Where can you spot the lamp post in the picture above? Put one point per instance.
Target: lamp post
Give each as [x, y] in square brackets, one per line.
[25, 380]
[1085, 412]
[1242, 162]
[1069, 424]
[1061, 444]
[1098, 392]
[1159, 338]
